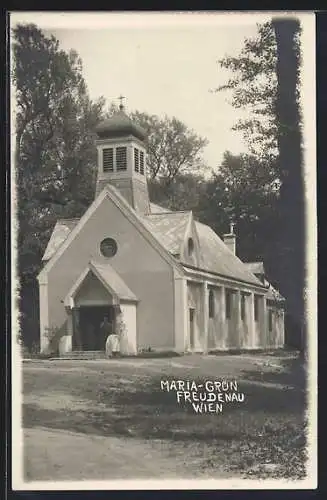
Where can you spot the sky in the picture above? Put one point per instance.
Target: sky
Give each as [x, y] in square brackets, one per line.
[162, 64]
[166, 71]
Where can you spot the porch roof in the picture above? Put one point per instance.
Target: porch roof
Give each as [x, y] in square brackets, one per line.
[110, 280]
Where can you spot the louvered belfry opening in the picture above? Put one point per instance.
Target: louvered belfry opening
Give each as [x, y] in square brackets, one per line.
[108, 159]
[136, 160]
[122, 159]
[141, 163]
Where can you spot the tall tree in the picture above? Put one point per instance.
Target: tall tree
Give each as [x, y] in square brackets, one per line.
[173, 151]
[252, 85]
[55, 152]
[244, 190]
[185, 192]
[291, 205]
[264, 80]
[172, 148]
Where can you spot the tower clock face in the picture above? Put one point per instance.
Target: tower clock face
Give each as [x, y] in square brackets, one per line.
[108, 247]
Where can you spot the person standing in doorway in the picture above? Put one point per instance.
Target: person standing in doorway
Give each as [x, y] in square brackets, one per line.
[112, 340]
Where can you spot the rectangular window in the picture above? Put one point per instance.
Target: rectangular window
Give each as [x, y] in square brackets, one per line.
[141, 162]
[242, 306]
[270, 320]
[228, 304]
[256, 308]
[211, 304]
[136, 160]
[108, 160]
[121, 158]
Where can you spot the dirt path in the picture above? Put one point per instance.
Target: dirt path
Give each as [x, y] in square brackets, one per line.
[109, 420]
[62, 455]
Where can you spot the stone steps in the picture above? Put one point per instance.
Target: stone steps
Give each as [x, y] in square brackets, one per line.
[83, 355]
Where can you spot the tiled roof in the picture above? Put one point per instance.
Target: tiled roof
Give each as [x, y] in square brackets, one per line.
[169, 228]
[157, 209]
[60, 232]
[113, 280]
[258, 268]
[273, 294]
[216, 257]
[255, 267]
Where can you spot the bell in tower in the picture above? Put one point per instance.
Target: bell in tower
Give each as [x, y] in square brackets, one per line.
[121, 159]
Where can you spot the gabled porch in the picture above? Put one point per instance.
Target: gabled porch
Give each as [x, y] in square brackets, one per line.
[99, 294]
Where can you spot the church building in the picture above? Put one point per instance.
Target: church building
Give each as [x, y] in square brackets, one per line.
[163, 280]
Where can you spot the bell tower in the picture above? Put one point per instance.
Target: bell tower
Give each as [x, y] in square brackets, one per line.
[122, 159]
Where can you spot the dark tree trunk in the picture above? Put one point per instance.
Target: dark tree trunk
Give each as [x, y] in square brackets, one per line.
[291, 261]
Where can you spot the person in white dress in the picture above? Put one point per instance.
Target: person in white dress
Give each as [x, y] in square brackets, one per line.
[112, 346]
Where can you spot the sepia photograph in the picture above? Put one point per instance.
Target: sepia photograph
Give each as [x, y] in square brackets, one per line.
[163, 228]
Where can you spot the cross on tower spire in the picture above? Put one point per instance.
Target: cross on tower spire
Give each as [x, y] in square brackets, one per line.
[121, 105]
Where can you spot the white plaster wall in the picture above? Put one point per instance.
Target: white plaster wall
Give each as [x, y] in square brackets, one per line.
[128, 343]
[257, 328]
[264, 323]
[277, 335]
[195, 300]
[44, 317]
[217, 326]
[281, 328]
[146, 273]
[65, 344]
[246, 324]
[181, 313]
[233, 323]
[250, 321]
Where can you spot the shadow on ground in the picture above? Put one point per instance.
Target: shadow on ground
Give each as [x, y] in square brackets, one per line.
[267, 427]
[143, 410]
[292, 372]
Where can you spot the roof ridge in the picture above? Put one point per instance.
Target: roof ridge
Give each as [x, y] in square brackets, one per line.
[68, 218]
[173, 212]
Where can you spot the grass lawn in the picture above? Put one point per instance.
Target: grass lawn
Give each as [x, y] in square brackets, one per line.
[110, 420]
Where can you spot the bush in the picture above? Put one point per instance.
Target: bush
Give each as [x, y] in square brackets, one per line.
[31, 352]
[148, 352]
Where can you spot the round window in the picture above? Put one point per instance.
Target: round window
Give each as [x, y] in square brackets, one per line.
[108, 247]
[190, 246]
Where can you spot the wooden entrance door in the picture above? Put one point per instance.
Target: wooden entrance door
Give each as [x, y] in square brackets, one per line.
[90, 320]
[191, 326]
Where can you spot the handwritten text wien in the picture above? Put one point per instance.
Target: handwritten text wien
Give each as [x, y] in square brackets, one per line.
[206, 397]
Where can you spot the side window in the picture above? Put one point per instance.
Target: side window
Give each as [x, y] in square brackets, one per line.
[270, 319]
[228, 301]
[211, 304]
[243, 306]
[256, 307]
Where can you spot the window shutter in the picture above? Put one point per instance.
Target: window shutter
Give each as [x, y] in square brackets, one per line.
[136, 159]
[121, 158]
[108, 160]
[141, 162]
